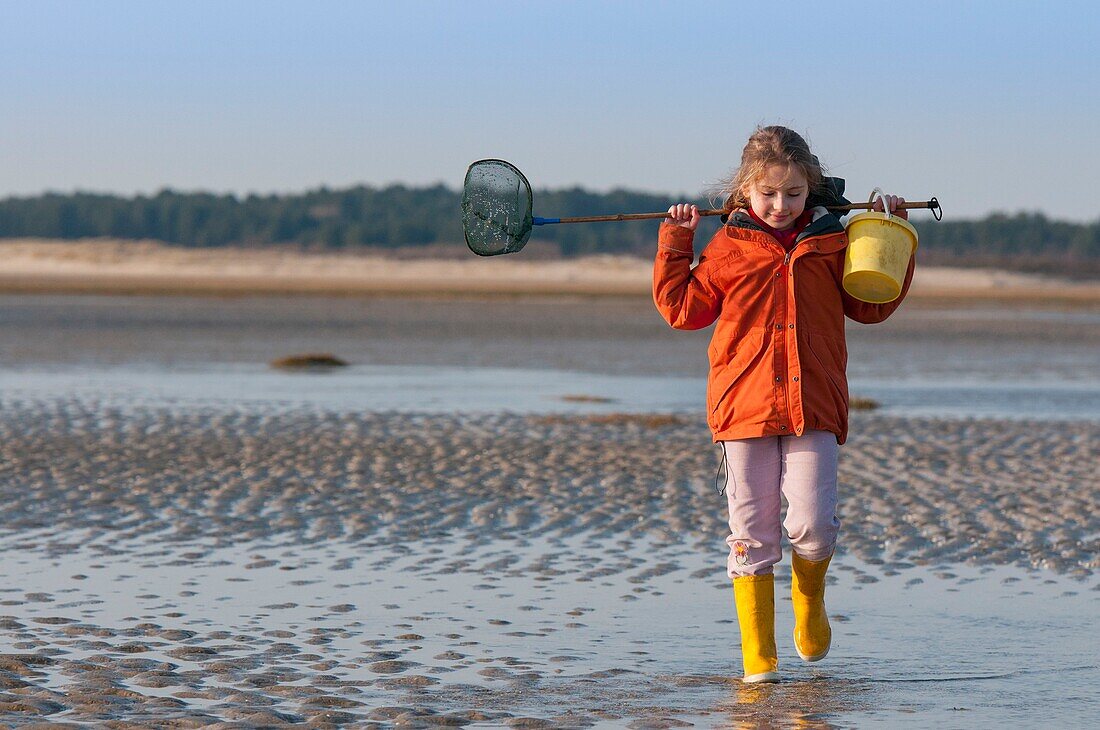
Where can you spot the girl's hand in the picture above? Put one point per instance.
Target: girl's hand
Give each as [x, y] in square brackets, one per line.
[894, 201]
[684, 215]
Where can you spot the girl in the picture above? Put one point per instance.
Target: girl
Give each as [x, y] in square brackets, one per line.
[777, 395]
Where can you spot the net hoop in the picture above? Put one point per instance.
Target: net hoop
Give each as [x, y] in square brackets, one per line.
[496, 208]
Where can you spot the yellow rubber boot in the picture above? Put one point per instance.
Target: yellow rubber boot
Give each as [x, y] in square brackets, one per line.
[812, 634]
[755, 597]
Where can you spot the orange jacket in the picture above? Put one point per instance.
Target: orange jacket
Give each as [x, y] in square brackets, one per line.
[777, 355]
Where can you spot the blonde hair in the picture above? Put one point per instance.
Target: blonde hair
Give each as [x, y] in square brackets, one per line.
[768, 146]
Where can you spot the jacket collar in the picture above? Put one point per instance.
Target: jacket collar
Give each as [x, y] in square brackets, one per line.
[824, 223]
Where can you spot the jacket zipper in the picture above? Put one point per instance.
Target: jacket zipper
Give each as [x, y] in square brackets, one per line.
[790, 287]
[786, 370]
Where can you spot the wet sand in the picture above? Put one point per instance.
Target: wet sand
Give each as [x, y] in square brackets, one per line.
[269, 566]
[291, 555]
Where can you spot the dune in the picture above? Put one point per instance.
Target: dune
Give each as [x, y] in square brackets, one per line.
[102, 266]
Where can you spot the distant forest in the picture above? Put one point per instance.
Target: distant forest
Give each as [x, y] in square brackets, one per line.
[400, 217]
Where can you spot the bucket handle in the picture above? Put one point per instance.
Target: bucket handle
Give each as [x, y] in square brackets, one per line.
[877, 193]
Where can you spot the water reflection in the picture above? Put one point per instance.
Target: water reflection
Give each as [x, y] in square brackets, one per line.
[810, 703]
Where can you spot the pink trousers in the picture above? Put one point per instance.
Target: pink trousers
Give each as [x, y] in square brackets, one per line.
[761, 471]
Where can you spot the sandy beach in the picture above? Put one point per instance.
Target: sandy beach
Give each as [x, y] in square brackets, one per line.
[275, 568]
[505, 516]
[127, 267]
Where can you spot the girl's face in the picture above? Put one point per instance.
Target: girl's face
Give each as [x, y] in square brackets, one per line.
[778, 197]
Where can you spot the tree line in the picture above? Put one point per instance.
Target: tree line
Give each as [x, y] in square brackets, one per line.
[399, 216]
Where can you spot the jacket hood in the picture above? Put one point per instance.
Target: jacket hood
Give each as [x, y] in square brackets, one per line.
[829, 195]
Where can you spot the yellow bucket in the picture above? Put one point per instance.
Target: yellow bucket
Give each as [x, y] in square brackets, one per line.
[879, 247]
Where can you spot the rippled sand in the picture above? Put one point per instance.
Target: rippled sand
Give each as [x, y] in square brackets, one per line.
[918, 490]
[188, 567]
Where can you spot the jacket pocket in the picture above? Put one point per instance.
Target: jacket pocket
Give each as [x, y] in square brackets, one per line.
[831, 358]
[746, 351]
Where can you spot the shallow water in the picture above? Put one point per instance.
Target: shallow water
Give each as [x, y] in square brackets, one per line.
[523, 355]
[443, 389]
[614, 631]
[610, 336]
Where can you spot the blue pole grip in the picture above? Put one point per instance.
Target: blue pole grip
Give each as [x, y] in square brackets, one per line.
[544, 221]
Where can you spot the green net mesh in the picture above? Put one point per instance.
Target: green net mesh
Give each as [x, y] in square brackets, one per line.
[496, 208]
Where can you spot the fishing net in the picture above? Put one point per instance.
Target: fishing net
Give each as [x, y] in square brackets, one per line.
[496, 208]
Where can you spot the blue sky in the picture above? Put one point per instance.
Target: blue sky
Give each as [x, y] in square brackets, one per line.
[988, 105]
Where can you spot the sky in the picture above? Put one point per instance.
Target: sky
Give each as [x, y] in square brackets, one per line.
[990, 106]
